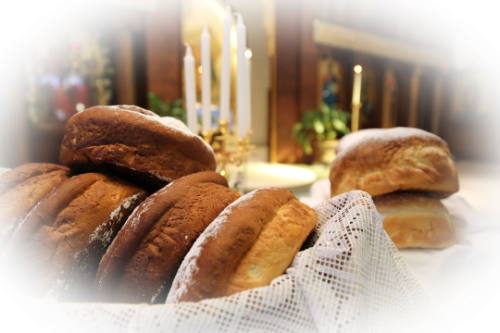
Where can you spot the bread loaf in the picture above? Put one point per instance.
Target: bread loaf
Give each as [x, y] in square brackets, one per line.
[415, 220]
[21, 189]
[252, 242]
[134, 143]
[56, 250]
[380, 161]
[140, 264]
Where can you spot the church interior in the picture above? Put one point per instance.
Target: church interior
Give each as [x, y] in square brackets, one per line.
[428, 65]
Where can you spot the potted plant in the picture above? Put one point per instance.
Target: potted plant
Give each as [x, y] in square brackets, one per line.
[165, 109]
[321, 128]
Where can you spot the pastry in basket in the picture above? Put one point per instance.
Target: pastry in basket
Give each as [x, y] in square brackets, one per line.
[141, 263]
[56, 250]
[134, 143]
[21, 189]
[415, 220]
[380, 161]
[252, 242]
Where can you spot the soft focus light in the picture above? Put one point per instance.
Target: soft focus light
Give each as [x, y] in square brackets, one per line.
[200, 69]
[80, 107]
[357, 69]
[248, 53]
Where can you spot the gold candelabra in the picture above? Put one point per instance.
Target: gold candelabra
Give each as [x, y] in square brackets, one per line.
[355, 116]
[228, 148]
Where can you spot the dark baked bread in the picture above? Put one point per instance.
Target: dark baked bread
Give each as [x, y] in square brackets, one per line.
[143, 259]
[135, 143]
[252, 242]
[56, 250]
[21, 189]
[380, 161]
[416, 220]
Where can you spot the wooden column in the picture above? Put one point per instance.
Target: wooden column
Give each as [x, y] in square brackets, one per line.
[125, 22]
[414, 92]
[15, 125]
[164, 50]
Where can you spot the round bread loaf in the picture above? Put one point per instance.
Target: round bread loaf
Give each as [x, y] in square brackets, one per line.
[380, 161]
[56, 250]
[135, 143]
[252, 242]
[21, 189]
[140, 264]
[416, 220]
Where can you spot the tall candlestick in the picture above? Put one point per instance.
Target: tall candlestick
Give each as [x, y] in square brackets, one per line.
[225, 76]
[248, 56]
[241, 77]
[189, 78]
[206, 89]
[356, 89]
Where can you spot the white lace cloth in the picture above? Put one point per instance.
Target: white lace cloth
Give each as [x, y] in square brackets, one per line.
[352, 279]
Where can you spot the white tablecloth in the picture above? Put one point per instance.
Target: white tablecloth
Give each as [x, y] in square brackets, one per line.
[463, 280]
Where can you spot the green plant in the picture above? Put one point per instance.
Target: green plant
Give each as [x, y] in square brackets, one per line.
[165, 109]
[324, 124]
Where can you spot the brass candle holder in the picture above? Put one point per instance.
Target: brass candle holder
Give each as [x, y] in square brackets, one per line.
[229, 150]
[355, 116]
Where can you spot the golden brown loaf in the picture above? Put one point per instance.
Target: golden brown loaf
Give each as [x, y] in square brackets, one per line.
[251, 243]
[140, 264]
[415, 220]
[57, 248]
[135, 143]
[380, 161]
[21, 189]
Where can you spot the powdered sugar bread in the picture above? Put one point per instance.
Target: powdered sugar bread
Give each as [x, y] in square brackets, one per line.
[381, 161]
[415, 220]
[252, 242]
[140, 264]
[21, 189]
[135, 143]
[57, 249]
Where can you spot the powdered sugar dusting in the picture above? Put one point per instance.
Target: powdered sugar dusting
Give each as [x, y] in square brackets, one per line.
[352, 140]
[189, 266]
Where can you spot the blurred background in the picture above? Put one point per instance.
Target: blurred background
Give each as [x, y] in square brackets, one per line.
[426, 64]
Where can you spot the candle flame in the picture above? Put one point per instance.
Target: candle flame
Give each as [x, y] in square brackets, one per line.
[357, 69]
[248, 54]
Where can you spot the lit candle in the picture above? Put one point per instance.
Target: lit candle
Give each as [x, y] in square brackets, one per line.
[356, 89]
[241, 77]
[248, 56]
[206, 90]
[225, 76]
[190, 90]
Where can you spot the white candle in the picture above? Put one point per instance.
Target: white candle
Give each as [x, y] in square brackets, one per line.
[225, 76]
[206, 89]
[356, 89]
[189, 78]
[241, 77]
[248, 56]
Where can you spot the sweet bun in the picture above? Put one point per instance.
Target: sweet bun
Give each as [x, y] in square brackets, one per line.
[252, 242]
[415, 220]
[140, 264]
[56, 250]
[21, 189]
[380, 161]
[134, 143]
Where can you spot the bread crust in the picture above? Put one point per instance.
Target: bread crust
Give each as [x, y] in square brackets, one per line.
[57, 248]
[145, 255]
[134, 143]
[380, 161]
[252, 242]
[21, 189]
[416, 220]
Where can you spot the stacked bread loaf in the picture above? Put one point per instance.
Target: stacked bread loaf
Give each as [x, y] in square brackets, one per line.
[406, 171]
[117, 220]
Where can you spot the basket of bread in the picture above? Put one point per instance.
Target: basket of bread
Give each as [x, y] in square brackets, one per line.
[136, 232]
